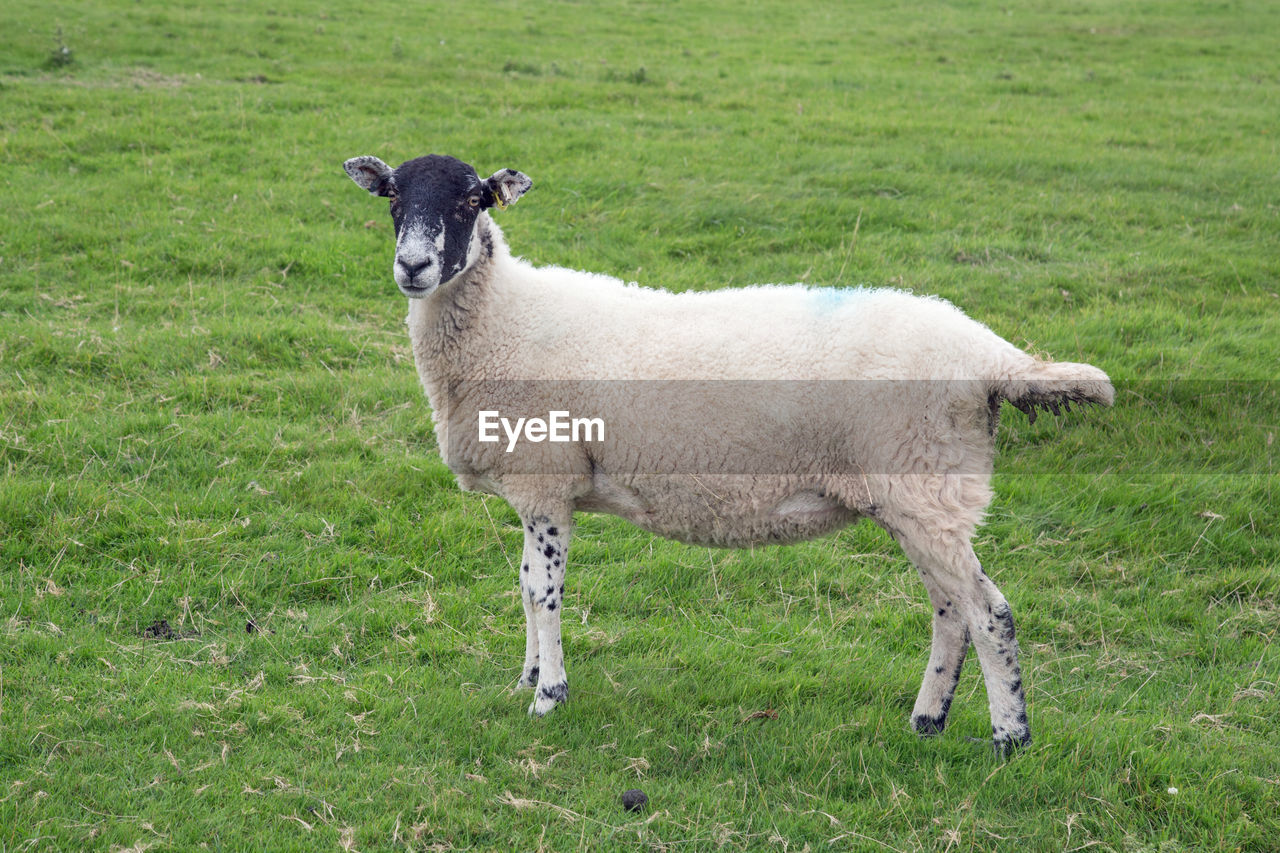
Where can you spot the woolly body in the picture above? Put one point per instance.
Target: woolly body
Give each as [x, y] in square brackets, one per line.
[914, 358]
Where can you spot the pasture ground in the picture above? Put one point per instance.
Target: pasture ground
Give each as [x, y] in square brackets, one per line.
[243, 606]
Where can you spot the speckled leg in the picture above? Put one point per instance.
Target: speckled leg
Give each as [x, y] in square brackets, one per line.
[996, 642]
[951, 570]
[950, 644]
[542, 569]
[529, 675]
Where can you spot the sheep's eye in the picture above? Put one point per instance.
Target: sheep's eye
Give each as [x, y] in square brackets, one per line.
[474, 201]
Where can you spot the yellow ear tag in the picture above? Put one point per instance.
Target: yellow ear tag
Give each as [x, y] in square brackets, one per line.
[498, 202]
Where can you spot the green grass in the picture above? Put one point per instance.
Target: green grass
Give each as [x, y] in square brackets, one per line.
[209, 416]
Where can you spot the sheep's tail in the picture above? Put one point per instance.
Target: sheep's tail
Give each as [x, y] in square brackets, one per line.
[1054, 386]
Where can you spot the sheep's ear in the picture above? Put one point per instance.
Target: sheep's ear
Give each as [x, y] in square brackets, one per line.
[372, 174]
[507, 185]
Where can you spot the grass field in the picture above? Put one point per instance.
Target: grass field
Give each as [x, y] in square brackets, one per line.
[243, 605]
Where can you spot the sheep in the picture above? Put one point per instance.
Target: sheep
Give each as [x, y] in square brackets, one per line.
[767, 414]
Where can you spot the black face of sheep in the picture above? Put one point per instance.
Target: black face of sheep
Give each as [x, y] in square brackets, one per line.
[435, 204]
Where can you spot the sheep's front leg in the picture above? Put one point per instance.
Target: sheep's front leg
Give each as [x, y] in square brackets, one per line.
[546, 545]
[528, 675]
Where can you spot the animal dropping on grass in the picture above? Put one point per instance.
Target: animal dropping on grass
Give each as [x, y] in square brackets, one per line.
[634, 800]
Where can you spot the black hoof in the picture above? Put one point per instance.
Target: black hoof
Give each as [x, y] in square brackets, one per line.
[927, 726]
[1009, 744]
[529, 679]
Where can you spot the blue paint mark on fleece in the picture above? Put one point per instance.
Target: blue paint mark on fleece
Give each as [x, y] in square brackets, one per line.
[831, 298]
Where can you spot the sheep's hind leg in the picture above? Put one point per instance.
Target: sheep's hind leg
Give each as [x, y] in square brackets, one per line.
[1003, 675]
[946, 559]
[950, 644]
[542, 569]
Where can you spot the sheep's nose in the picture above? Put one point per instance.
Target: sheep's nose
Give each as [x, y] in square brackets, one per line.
[412, 270]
